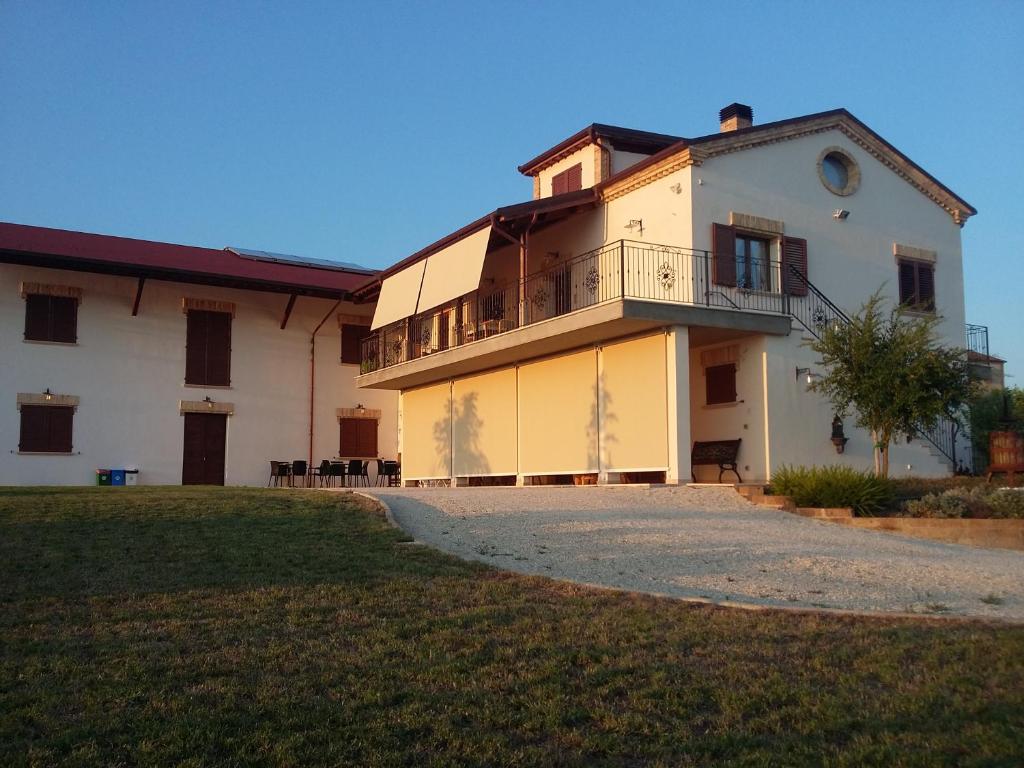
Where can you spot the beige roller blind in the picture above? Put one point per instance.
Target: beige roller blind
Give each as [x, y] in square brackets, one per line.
[634, 417]
[398, 295]
[558, 415]
[426, 432]
[454, 271]
[484, 424]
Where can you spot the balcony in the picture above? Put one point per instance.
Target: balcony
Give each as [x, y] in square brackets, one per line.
[640, 275]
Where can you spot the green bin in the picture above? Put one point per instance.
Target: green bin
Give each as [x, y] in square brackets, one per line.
[102, 477]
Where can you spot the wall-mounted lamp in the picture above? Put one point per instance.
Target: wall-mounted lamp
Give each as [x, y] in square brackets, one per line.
[839, 440]
[811, 376]
[840, 214]
[677, 188]
[48, 395]
[636, 224]
[208, 401]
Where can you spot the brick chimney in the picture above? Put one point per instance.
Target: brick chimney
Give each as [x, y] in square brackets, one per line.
[735, 116]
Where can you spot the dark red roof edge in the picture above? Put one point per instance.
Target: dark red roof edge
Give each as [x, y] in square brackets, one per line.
[604, 131]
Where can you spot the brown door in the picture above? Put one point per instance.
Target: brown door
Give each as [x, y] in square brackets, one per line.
[202, 461]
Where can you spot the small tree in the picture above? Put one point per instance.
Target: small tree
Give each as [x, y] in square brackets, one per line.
[893, 372]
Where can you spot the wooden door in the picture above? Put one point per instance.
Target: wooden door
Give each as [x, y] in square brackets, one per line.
[202, 460]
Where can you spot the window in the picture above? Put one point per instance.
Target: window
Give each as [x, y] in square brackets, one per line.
[839, 172]
[917, 285]
[569, 180]
[358, 438]
[753, 263]
[352, 341]
[720, 383]
[208, 348]
[46, 429]
[51, 318]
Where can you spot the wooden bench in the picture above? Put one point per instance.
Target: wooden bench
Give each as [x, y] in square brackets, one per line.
[720, 452]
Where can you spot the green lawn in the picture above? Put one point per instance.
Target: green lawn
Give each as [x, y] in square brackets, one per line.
[249, 627]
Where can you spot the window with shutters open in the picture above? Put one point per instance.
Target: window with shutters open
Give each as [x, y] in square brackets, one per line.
[358, 439]
[46, 429]
[51, 318]
[569, 180]
[208, 348]
[720, 384]
[917, 285]
[743, 259]
[351, 342]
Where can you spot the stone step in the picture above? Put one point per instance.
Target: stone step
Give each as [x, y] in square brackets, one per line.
[823, 513]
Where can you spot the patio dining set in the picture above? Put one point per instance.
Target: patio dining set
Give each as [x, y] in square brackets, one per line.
[334, 473]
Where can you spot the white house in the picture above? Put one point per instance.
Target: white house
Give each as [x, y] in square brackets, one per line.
[193, 365]
[658, 292]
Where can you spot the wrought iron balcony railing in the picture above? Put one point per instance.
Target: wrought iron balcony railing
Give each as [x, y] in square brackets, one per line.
[623, 269]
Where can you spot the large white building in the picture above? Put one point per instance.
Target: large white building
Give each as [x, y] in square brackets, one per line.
[658, 292]
[193, 365]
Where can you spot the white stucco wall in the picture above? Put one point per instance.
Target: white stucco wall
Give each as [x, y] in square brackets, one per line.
[129, 374]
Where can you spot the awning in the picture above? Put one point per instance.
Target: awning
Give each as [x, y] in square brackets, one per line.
[398, 295]
[454, 271]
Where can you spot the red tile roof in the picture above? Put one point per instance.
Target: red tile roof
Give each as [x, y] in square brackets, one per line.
[83, 251]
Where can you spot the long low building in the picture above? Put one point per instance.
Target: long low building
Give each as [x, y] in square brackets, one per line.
[191, 365]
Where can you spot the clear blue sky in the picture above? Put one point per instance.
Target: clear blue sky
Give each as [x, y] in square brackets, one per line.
[363, 131]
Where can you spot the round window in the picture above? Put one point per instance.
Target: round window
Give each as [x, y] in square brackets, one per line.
[838, 171]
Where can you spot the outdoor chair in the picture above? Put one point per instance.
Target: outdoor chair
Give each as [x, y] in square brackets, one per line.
[336, 475]
[280, 472]
[393, 472]
[356, 472]
[319, 474]
[300, 469]
[381, 473]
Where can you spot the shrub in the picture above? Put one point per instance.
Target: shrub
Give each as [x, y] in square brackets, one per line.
[976, 502]
[834, 486]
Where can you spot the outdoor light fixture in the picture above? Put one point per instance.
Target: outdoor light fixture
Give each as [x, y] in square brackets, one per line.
[840, 214]
[208, 401]
[636, 224]
[839, 440]
[48, 395]
[811, 376]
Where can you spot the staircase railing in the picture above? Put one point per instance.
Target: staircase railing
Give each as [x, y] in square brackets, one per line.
[816, 312]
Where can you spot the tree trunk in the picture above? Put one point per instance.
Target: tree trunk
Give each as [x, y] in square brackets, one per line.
[885, 440]
[875, 453]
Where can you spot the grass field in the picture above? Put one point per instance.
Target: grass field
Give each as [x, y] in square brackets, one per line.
[208, 627]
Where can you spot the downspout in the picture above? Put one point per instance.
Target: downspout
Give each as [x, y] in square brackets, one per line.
[312, 377]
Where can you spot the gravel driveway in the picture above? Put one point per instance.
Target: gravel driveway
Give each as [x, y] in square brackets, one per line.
[708, 543]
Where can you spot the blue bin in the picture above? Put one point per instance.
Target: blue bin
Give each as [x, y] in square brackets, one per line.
[117, 477]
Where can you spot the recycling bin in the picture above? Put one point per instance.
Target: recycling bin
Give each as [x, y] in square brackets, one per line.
[117, 477]
[131, 476]
[102, 477]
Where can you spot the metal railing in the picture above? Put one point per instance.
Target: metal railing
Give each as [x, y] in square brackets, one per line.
[623, 269]
[977, 338]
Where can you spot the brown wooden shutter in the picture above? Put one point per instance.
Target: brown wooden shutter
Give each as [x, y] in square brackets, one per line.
[559, 183]
[63, 319]
[723, 258]
[37, 317]
[574, 178]
[61, 421]
[368, 437]
[358, 438]
[46, 429]
[720, 381]
[908, 283]
[218, 349]
[926, 287]
[195, 347]
[34, 428]
[351, 342]
[794, 256]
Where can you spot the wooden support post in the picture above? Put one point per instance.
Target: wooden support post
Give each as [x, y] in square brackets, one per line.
[138, 296]
[288, 311]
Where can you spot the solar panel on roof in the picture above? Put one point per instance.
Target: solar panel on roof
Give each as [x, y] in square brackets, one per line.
[287, 258]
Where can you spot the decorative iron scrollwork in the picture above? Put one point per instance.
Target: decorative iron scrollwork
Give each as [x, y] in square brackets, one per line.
[819, 317]
[592, 280]
[540, 297]
[667, 276]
